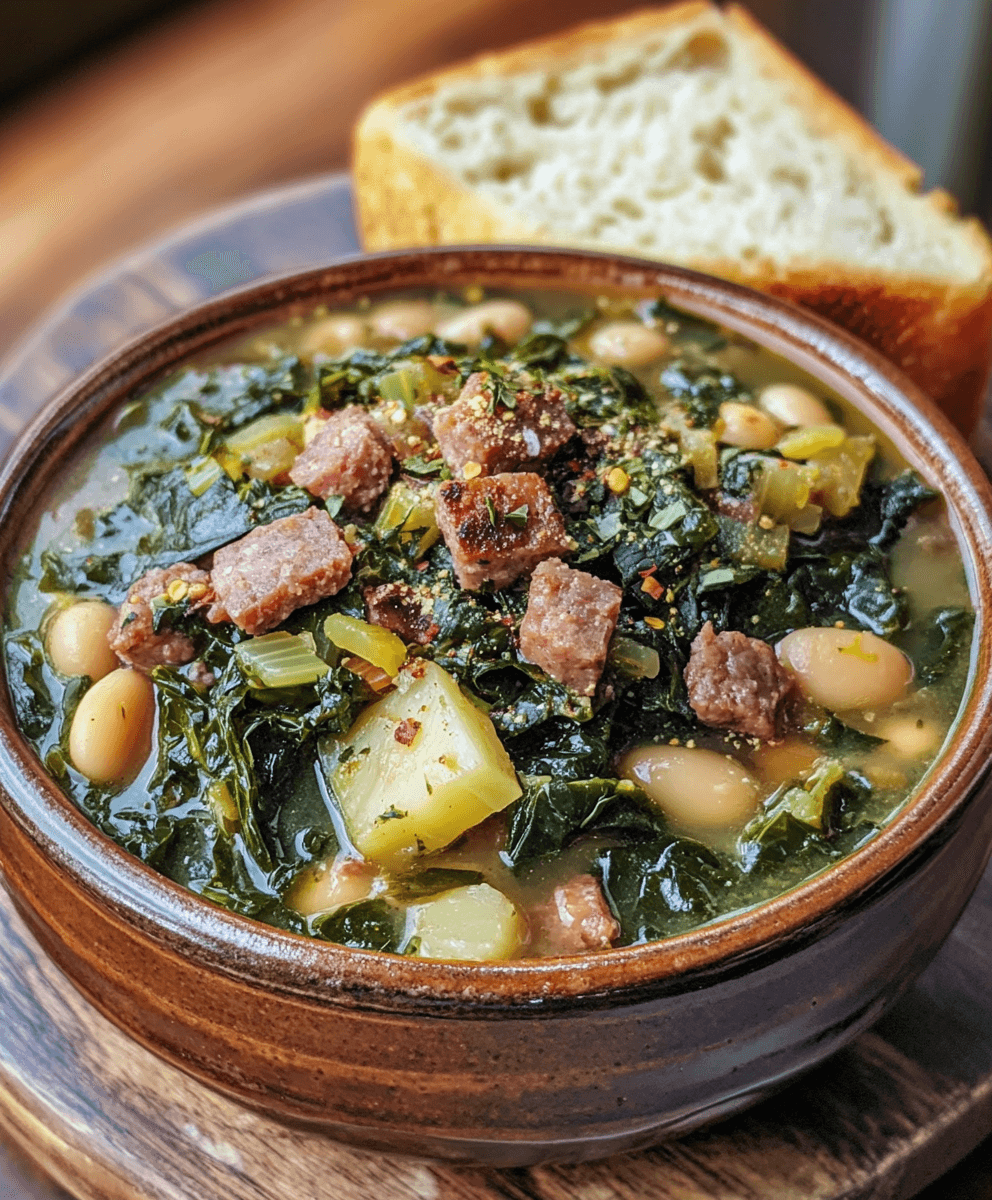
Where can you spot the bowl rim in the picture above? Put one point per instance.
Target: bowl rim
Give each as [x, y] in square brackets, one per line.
[168, 914]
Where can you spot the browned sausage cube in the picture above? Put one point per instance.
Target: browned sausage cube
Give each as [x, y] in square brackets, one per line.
[349, 457]
[499, 527]
[274, 570]
[481, 433]
[133, 638]
[736, 682]
[575, 919]
[403, 610]
[569, 621]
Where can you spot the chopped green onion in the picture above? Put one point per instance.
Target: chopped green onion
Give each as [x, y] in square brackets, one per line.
[279, 660]
[519, 516]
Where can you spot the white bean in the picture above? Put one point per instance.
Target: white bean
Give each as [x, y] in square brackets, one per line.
[77, 639]
[793, 405]
[909, 736]
[403, 319]
[334, 334]
[746, 426]
[844, 669]
[627, 344]
[508, 319]
[329, 885]
[111, 734]
[693, 786]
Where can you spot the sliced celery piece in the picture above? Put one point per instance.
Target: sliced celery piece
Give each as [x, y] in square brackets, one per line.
[203, 473]
[411, 512]
[272, 428]
[699, 446]
[634, 660]
[279, 660]
[842, 472]
[810, 440]
[371, 642]
[784, 489]
[413, 384]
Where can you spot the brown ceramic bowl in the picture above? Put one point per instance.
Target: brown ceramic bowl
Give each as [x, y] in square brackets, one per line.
[519, 1062]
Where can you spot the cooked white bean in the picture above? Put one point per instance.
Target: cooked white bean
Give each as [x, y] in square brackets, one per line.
[334, 334]
[403, 319]
[111, 734]
[77, 639]
[746, 426]
[508, 319]
[329, 885]
[845, 669]
[909, 736]
[793, 405]
[693, 786]
[627, 344]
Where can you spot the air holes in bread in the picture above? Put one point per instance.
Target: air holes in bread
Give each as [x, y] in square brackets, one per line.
[702, 51]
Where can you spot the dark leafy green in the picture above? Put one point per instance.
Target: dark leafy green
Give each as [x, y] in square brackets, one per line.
[552, 813]
[161, 523]
[663, 887]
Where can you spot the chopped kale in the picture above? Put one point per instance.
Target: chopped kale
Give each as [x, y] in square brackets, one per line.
[552, 813]
[161, 523]
[366, 925]
[944, 641]
[663, 887]
[701, 391]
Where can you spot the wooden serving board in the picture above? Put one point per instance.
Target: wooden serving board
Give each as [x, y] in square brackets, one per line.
[104, 1118]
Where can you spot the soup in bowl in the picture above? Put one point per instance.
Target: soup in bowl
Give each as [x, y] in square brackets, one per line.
[571, 658]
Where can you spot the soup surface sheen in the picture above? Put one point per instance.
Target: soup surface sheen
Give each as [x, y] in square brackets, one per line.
[489, 626]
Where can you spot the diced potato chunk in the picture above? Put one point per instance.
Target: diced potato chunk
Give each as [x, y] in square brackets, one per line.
[419, 767]
[471, 923]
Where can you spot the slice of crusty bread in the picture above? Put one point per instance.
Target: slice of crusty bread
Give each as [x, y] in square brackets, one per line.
[688, 134]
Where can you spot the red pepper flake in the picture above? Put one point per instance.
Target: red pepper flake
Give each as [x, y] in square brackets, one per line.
[422, 566]
[406, 731]
[649, 571]
[653, 588]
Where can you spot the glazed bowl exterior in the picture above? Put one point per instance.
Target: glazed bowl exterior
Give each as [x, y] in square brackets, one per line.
[535, 1060]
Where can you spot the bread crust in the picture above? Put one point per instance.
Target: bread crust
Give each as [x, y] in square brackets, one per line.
[937, 331]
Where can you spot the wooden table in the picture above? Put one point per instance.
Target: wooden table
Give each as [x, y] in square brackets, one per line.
[884, 1118]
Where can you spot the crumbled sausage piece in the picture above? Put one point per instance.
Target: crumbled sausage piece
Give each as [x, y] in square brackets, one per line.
[269, 573]
[133, 639]
[576, 919]
[740, 510]
[499, 527]
[478, 428]
[350, 457]
[569, 621]
[736, 682]
[398, 607]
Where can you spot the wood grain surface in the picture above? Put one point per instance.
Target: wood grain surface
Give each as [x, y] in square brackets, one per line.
[104, 1118]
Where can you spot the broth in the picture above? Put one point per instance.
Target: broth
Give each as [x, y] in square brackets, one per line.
[488, 626]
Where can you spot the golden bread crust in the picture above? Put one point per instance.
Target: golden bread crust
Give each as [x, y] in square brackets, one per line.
[938, 331]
